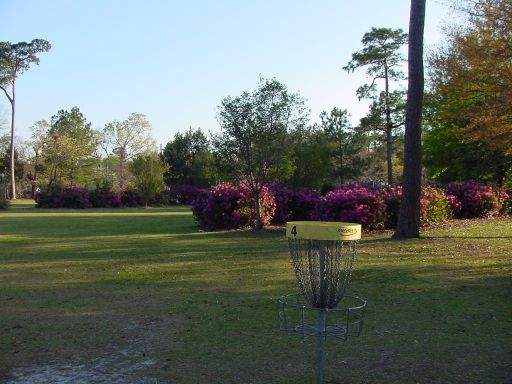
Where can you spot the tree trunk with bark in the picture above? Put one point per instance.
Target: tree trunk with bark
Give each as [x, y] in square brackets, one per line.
[409, 217]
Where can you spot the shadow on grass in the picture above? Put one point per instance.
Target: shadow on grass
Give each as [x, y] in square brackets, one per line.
[424, 324]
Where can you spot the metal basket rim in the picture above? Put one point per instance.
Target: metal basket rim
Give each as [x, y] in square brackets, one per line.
[282, 300]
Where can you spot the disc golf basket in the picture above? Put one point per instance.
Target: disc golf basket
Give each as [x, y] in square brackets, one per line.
[323, 256]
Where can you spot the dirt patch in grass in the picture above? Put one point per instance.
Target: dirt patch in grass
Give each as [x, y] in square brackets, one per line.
[131, 359]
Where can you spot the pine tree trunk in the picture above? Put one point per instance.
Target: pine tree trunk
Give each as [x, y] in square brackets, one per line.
[409, 220]
[389, 128]
[12, 185]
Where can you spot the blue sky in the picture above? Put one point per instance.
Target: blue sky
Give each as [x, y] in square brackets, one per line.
[175, 61]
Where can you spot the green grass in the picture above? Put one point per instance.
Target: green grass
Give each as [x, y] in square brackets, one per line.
[75, 285]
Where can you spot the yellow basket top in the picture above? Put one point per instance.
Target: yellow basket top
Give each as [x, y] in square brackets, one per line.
[323, 230]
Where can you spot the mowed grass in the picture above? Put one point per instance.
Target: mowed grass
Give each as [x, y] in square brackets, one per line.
[75, 285]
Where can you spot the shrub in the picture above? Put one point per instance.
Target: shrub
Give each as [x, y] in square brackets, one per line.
[294, 205]
[4, 204]
[226, 207]
[247, 206]
[104, 198]
[434, 206]
[132, 198]
[506, 198]
[356, 205]
[185, 193]
[217, 208]
[471, 199]
[70, 197]
[391, 195]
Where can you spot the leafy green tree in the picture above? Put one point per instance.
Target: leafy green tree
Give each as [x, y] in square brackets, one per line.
[382, 59]
[346, 146]
[14, 60]
[471, 92]
[311, 157]
[68, 148]
[409, 217]
[449, 156]
[127, 139]
[253, 144]
[190, 159]
[148, 174]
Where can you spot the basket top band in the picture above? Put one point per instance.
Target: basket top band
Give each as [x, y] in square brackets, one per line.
[323, 230]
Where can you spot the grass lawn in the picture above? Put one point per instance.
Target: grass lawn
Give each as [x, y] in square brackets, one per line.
[142, 296]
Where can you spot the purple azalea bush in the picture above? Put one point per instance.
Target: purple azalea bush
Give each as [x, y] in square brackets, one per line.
[81, 198]
[104, 198]
[227, 206]
[471, 199]
[185, 193]
[70, 197]
[294, 205]
[355, 205]
[218, 207]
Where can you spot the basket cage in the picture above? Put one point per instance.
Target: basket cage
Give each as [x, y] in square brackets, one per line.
[297, 317]
[323, 269]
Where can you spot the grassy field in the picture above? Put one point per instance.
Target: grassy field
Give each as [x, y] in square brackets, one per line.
[142, 296]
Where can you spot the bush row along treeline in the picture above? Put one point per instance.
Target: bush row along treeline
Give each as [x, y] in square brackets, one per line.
[229, 206]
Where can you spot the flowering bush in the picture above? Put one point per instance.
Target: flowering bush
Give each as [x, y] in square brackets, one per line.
[434, 206]
[70, 197]
[247, 205]
[75, 197]
[104, 198]
[226, 206]
[217, 208]
[294, 205]
[356, 205]
[506, 198]
[471, 199]
[391, 195]
[132, 198]
[185, 193]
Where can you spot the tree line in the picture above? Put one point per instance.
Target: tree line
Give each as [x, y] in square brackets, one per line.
[265, 135]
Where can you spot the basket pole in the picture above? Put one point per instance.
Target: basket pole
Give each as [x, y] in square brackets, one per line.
[320, 338]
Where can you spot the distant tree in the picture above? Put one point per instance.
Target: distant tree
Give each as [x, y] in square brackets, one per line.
[127, 139]
[253, 143]
[190, 159]
[311, 157]
[382, 59]
[345, 144]
[68, 148]
[14, 60]
[40, 131]
[409, 217]
[148, 174]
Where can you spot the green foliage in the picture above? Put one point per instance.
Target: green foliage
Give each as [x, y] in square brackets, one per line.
[472, 75]
[4, 203]
[16, 58]
[148, 174]
[346, 147]
[468, 115]
[311, 157]
[434, 206]
[190, 159]
[68, 148]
